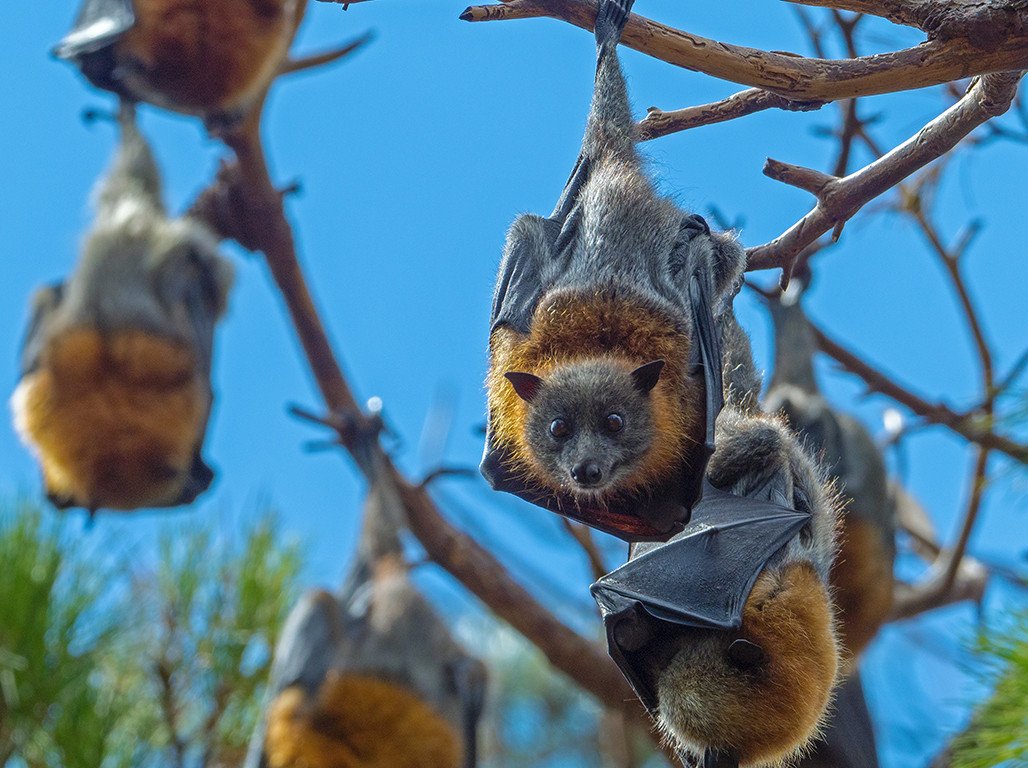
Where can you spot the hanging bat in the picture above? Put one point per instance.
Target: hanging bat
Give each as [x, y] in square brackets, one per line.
[115, 389]
[211, 59]
[370, 677]
[725, 631]
[861, 577]
[605, 360]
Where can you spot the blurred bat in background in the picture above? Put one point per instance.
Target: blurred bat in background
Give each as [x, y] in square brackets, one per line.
[115, 389]
[370, 677]
[862, 575]
[211, 59]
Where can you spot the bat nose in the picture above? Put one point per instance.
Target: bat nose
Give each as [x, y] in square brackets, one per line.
[587, 473]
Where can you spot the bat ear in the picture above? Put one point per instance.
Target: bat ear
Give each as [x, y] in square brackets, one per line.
[527, 385]
[645, 377]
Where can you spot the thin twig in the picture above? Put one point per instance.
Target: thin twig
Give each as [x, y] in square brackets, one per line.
[315, 60]
[584, 537]
[935, 413]
[840, 199]
[658, 123]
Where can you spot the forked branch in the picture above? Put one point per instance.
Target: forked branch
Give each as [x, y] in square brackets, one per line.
[839, 199]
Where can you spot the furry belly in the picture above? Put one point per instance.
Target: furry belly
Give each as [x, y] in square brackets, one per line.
[114, 421]
[358, 722]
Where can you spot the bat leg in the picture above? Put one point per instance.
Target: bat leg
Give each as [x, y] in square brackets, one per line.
[222, 123]
[611, 17]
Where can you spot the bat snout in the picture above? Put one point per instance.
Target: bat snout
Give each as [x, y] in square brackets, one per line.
[587, 474]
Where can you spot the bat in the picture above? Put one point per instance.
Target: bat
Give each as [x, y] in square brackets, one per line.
[212, 59]
[370, 676]
[605, 341]
[115, 389]
[861, 576]
[726, 631]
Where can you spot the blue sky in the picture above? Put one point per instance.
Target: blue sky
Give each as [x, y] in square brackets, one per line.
[414, 157]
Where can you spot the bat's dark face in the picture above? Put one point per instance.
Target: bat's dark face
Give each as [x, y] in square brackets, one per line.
[589, 423]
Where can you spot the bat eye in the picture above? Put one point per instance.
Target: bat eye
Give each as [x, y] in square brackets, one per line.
[615, 422]
[559, 429]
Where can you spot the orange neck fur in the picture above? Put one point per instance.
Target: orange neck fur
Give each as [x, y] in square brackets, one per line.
[574, 327]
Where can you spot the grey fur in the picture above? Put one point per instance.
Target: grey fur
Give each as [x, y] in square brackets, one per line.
[584, 396]
[139, 269]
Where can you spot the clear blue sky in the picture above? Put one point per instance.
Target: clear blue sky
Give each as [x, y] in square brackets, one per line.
[414, 157]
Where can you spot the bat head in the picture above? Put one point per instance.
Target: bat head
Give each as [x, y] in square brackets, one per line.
[589, 424]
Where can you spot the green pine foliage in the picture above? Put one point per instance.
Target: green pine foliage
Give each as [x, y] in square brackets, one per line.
[998, 734]
[107, 667]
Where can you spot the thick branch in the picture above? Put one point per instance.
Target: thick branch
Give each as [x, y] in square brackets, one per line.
[935, 413]
[659, 123]
[988, 97]
[911, 600]
[795, 77]
[983, 21]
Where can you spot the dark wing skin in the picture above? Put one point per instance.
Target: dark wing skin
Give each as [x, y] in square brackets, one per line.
[700, 578]
[98, 27]
[849, 738]
[303, 656]
[44, 304]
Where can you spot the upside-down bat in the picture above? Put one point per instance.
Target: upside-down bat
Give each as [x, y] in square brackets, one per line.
[861, 577]
[115, 392]
[194, 56]
[370, 677]
[605, 368]
[726, 630]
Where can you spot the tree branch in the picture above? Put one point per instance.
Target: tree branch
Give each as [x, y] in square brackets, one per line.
[795, 77]
[934, 413]
[983, 22]
[840, 199]
[315, 60]
[658, 123]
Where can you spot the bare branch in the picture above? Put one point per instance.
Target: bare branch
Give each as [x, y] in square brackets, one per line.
[795, 77]
[912, 600]
[326, 57]
[983, 23]
[584, 537]
[906, 12]
[658, 123]
[934, 413]
[807, 179]
[840, 199]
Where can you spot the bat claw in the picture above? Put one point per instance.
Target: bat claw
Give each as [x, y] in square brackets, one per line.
[440, 472]
[746, 655]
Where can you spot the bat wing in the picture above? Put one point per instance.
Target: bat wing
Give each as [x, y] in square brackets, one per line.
[849, 738]
[44, 304]
[303, 656]
[308, 643]
[98, 25]
[469, 678]
[701, 578]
